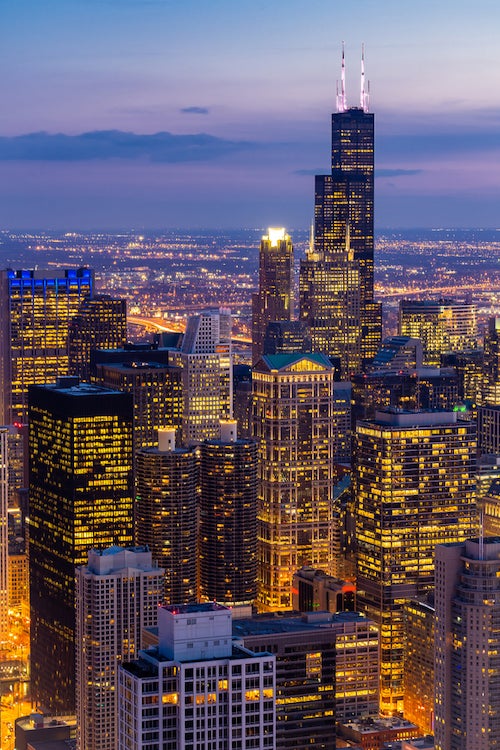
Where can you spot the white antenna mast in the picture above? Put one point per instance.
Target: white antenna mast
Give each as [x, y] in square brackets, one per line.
[364, 97]
[341, 98]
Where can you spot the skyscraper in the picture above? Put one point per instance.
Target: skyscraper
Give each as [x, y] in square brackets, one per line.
[467, 645]
[4, 545]
[207, 380]
[166, 512]
[117, 595]
[293, 408]
[441, 325]
[414, 488]
[336, 278]
[36, 308]
[274, 300]
[80, 446]
[156, 390]
[101, 323]
[228, 519]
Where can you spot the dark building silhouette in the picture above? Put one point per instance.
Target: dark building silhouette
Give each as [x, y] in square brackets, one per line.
[286, 337]
[156, 389]
[228, 519]
[80, 446]
[274, 300]
[101, 323]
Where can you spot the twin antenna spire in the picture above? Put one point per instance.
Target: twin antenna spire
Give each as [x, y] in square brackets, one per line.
[365, 86]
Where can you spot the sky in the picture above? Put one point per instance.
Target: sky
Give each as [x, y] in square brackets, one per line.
[151, 114]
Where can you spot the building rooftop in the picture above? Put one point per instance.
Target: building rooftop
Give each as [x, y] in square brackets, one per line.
[187, 609]
[282, 361]
[290, 622]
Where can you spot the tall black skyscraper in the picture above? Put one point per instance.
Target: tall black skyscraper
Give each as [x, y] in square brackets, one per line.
[80, 497]
[336, 278]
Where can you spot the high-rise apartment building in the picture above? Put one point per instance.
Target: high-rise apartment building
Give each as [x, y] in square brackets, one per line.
[166, 513]
[207, 379]
[274, 300]
[442, 326]
[101, 323]
[199, 689]
[467, 645]
[413, 488]
[293, 409]
[117, 595]
[80, 446]
[36, 308]
[4, 543]
[228, 519]
[336, 278]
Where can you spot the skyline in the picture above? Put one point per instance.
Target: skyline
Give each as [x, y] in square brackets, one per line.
[104, 78]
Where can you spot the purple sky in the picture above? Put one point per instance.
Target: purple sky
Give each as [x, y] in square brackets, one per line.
[152, 113]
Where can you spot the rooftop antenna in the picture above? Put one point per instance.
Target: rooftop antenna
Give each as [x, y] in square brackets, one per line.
[365, 90]
[311, 238]
[341, 98]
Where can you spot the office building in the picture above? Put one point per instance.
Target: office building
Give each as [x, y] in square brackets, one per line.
[422, 388]
[207, 379]
[491, 367]
[488, 430]
[316, 591]
[166, 512]
[336, 278]
[228, 519]
[375, 732]
[45, 731]
[467, 643]
[342, 397]
[441, 325]
[80, 446]
[36, 308]
[328, 661]
[305, 675]
[156, 390]
[129, 353]
[286, 337]
[294, 428]
[419, 664]
[199, 689]
[117, 595]
[101, 323]
[413, 488]
[469, 366]
[398, 353]
[274, 300]
[4, 543]
[242, 399]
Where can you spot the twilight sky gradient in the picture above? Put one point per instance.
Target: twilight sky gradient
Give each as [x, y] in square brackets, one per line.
[216, 113]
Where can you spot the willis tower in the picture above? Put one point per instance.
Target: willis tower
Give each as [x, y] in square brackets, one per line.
[336, 278]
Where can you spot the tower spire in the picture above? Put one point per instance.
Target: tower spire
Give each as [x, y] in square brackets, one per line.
[341, 98]
[364, 89]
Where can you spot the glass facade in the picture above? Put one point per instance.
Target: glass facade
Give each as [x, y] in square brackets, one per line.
[336, 278]
[80, 447]
[36, 308]
[414, 488]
